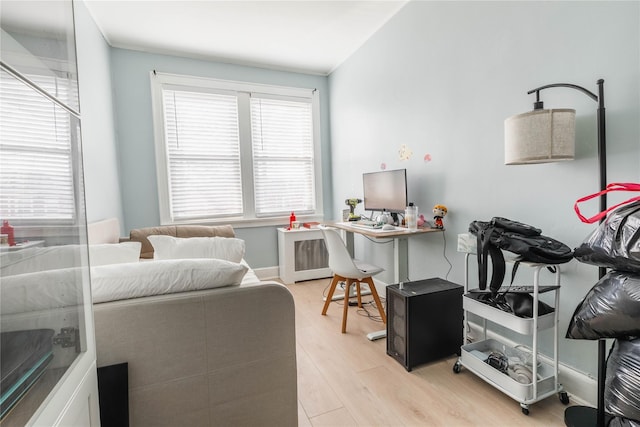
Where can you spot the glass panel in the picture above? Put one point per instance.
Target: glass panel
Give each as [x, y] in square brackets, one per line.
[42, 293]
[38, 39]
[44, 274]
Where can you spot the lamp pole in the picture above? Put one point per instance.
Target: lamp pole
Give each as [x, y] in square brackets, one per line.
[582, 416]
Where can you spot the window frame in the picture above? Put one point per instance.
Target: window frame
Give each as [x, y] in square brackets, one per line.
[242, 90]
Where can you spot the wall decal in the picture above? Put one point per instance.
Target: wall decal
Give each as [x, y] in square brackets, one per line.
[383, 166]
[427, 158]
[404, 152]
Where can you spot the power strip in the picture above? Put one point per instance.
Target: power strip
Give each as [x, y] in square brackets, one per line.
[372, 336]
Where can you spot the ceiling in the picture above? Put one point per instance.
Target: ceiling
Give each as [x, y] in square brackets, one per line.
[296, 35]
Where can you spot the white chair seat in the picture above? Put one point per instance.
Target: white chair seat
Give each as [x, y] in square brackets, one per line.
[367, 269]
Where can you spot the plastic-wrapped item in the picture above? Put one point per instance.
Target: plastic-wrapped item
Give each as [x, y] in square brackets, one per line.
[616, 242]
[623, 422]
[622, 387]
[611, 309]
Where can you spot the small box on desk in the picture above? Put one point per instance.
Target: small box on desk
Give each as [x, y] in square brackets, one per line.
[424, 321]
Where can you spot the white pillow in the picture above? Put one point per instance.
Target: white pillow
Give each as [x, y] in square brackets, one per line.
[42, 290]
[31, 260]
[169, 247]
[114, 253]
[135, 280]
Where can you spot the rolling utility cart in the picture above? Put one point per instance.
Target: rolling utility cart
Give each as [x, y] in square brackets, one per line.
[473, 355]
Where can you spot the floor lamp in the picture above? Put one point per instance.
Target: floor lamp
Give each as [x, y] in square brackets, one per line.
[543, 136]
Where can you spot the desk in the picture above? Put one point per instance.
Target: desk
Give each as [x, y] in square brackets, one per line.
[400, 238]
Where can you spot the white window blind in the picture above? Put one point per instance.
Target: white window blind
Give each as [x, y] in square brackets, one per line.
[283, 164]
[36, 180]
[203, 150]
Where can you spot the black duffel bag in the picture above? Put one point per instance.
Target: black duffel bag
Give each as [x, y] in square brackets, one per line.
[516, 237]
[517, 303]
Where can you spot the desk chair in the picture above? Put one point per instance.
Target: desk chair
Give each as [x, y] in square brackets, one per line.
[348, 270]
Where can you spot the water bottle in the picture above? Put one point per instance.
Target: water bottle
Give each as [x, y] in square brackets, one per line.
[8, 230]
[411, 216]
[292, 218]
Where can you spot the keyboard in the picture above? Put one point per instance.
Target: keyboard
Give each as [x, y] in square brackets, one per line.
[367, 224]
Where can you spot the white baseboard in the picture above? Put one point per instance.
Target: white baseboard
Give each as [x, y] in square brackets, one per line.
[582, 388]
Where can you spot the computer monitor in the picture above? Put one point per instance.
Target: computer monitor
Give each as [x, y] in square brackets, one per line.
[385, 190]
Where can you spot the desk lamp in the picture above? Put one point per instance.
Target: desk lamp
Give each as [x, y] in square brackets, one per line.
[543, 136]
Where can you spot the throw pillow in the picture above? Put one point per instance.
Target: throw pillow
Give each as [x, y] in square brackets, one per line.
[169, 247]
[114, 253]
[135, 280]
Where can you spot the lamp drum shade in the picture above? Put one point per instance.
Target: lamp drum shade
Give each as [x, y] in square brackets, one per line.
[540, 136]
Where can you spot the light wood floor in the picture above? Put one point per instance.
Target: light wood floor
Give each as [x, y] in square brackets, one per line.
[347, 380]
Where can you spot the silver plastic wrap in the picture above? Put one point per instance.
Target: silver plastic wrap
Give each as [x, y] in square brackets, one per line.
[622, 387]
[616, 242]
[623, 422]
[611, 309]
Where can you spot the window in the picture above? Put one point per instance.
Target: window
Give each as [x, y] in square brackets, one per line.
[234, 151]
[36, 179]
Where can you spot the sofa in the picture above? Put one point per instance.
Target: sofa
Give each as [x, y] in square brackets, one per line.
[196, 356]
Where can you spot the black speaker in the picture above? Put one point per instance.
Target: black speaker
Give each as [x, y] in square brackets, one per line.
[424, 321]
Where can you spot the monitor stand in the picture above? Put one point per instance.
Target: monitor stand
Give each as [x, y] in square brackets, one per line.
[395, 219]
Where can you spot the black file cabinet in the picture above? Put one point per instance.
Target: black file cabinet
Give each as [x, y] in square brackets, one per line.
[424, 321]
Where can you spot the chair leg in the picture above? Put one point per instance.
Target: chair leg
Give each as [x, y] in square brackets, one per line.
[359, 293]
[345, 310]
[332, 289]
[369, 281]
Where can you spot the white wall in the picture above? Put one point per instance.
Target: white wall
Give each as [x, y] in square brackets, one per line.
[441, 77]
[102, 184]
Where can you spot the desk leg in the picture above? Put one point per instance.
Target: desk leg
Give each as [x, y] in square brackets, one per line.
[400, 259]
[349, 243]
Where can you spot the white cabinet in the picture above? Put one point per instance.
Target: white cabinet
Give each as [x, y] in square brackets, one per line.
[534, 379]
[302, 255]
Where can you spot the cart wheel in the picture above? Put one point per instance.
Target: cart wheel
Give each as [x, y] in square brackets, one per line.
[525, 408]
[564, 397]
[456, 367]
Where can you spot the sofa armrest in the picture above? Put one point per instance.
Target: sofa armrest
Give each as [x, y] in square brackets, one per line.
[224, 356]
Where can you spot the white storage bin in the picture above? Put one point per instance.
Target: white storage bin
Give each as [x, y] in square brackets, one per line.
[518, 391]
[519, 324]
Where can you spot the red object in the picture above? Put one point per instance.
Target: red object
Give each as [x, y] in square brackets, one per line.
[291, 219]
[311, 224]
[628, 186]
[438, 222]
[8, 230]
